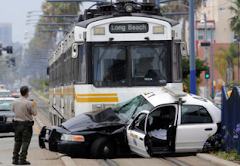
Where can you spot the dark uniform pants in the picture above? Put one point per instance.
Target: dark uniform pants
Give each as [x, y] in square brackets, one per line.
[23, 135]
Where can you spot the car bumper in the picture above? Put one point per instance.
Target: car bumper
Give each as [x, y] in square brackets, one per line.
[6, 127]
[50, 139]
[73, 148]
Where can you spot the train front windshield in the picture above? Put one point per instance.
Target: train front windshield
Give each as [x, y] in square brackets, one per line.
[137, 65]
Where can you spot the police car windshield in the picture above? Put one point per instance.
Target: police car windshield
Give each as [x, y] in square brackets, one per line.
[130, 108]
[6, 105]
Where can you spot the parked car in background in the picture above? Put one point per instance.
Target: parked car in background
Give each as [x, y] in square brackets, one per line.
[218, 99]
[5, 93]
[168, 121]
[6, 114]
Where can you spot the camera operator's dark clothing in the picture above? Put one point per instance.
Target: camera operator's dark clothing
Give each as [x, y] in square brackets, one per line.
[24, 110]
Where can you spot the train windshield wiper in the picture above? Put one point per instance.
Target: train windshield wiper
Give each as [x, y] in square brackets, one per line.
[104, 51]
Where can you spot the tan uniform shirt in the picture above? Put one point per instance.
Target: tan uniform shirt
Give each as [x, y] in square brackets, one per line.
[23, 109]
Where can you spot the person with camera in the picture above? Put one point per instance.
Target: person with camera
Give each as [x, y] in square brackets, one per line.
[24, 111]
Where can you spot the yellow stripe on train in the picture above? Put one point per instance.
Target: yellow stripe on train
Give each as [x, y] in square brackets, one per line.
[96, 98]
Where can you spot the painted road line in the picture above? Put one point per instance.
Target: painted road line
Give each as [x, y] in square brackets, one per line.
[36, 128]
[4, 150]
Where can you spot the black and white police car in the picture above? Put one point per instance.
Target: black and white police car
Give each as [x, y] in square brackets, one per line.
[6, 114]
[168, 121]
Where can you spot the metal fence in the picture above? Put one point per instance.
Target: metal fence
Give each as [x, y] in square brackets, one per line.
[230, 121]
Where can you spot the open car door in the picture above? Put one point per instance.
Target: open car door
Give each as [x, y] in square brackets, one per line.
[161, 129]
[136, 135]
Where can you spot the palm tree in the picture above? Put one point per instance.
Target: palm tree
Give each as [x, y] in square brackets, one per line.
[235, 20]
[226, 59]
[46, 41]
[182, 7]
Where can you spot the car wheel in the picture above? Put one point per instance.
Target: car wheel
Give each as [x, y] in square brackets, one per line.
[102, 148]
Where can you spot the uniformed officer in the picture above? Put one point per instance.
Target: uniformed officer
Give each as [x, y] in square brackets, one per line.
[24, 111]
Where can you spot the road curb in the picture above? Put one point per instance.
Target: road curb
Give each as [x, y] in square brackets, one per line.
[216, 160]
[67, 161]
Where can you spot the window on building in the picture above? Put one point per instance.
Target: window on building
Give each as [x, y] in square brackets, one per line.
[200, 34]
[209, 33]
[221, 8]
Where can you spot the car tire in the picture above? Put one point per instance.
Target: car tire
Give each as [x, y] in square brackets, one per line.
[102, 148]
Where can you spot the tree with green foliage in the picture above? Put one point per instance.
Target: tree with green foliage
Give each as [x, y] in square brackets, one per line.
[43, 43]
[200, 66]
[225, 61]
[173, 7]
[235, 20]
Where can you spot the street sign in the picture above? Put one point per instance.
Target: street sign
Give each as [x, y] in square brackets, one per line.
[206, 44]
[206, 52]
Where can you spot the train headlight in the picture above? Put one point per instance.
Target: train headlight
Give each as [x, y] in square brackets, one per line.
[68, 137]
[158, 29]
[99, 31]
[74, 50]
[129, 8]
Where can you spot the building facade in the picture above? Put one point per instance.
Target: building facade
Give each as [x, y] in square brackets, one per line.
[6, 33]
[215, 26]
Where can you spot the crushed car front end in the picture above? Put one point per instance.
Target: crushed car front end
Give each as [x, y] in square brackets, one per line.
[60, 140]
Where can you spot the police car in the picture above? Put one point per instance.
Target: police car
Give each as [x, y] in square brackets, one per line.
[168, 121]
[6, 114]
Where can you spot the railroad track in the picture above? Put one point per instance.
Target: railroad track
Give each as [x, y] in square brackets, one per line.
[173, 161]
[168, 160]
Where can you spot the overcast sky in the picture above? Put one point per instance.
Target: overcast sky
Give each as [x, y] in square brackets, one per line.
[15, 12]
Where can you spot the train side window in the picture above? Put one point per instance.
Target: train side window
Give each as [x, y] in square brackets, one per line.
[78, 61]
[81, 74]
[176, 63]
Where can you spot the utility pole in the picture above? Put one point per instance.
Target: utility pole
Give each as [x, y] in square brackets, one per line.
[212, 76]
[206, 60]
[192, 49]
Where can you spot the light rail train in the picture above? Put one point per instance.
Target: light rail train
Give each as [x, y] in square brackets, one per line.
[114, 53]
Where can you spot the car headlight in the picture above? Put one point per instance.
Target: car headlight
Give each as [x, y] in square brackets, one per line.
[67, 137]
[10, 118]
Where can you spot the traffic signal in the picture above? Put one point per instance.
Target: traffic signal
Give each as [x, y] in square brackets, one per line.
[207, 74]
[9, 49]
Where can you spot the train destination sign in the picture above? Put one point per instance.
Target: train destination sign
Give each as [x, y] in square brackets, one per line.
[129, 28]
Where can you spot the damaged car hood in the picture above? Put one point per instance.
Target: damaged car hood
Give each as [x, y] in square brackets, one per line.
[95, 120]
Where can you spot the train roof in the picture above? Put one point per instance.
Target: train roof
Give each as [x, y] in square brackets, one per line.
[85, 23]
